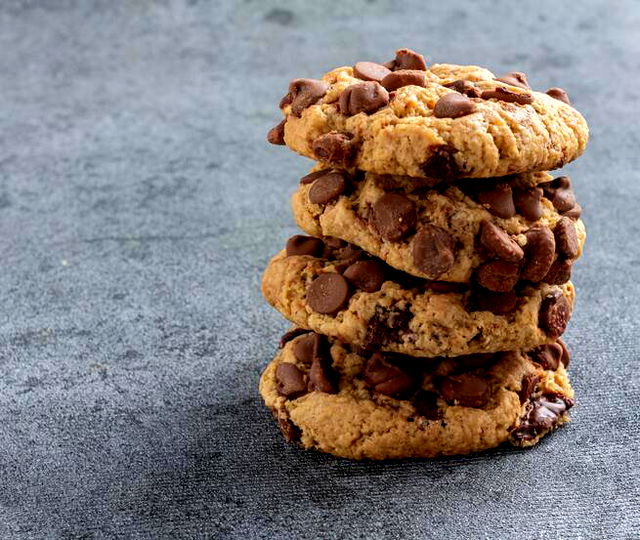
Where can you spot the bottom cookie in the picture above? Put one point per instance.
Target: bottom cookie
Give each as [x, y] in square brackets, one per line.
[329, 397]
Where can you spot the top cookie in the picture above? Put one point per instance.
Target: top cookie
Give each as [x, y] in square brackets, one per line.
[442, 121]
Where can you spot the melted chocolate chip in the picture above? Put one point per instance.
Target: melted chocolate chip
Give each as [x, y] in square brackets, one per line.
[304, 93]
[442, 163]
[406, 77]
[559, 94]
[335, 148]
[290, 381]
[554, 314]
[498, 200]
[328, 293]
[467, 389]
[433, 250]
[393, 216]
[308, 347]
[539, 253]
[327, 188]
[304, 245]
[366, 97]
[386, 326]
[515, 78]
[566, 238]
[276, 134]
[498, 276]
[527, 387]
[496, 303]
[464, 87]
[408, 59]
[386, 378]
[453, 105]
[542, 413]
[548, 356]
[292, 334]
[509, 96]
[366, 275]
[322, 377]
[527, 202]
[311, 177]
[499, 243]
[370, 71]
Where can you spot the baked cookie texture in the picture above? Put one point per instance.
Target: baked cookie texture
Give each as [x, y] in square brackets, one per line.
[412, 317]
[384, 215]
[328, 396]
[487, 127]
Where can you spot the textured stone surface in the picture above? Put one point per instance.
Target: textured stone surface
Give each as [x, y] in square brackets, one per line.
[139, 204]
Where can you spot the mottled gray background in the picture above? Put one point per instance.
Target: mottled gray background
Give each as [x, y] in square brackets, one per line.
[139, 203]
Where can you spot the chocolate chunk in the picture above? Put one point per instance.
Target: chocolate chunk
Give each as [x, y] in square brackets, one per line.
[408, 59]
[453, 105]
[426, 405]
[548, 356]
[527, 202]
[496, 303]
[433, 250]
[554, 314]
[393, 216]
[498, 200]
[509, 96]
[290, 381]
[498, 276]
[292, 334]
[289, 430]
[328, 293]
[387, 378]
[442, 163]
[499, 243]
[566, 357]
[322, 377]
[566, 238]
[542, 413]
[327, 188]
[276, 134]
[304, 93]
[308, 347]
[386, 326]
[304, 245]
[366, 275]
[366, 97]
[527, 387]
[515, 78]
[335, 148]
[370, 71]
[539, 252]
[406, 77]
[464, 87]
[559, 94]
[311, 177]
[560, 193]
[574, 213]
[467, 389]
[559, 273]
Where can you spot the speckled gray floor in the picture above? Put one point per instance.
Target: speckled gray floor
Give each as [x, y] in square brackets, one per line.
[139, 204]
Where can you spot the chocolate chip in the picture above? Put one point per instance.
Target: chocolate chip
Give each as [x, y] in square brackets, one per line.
[498, 200]
[496, 303]
[467, 389]
[566, 357]
[406, 77]
[292, 334]
[304, 93]
[539, 252]
[322, 377]
[499, 243]
[443, 287]
[311, 177]
[509, 96]
[498, 276]
[366, 97]
[335, 148]
[426, 405]
[386, 326]
[433, 250]
[366, 275]
[559, 94]
[527, 202]
[554, 314]
[308, 347]
[542, 413]
[393, 216]
[515, 78]
[527, 387]
[574, 213]
[328, 293]
[559, 273]
[304, 245]
[286, 100]
[327, 188]
[347, 255]
[566, 238]
[276, 134]
[370, 71]
[408, 59]
[290, 381]
[548, 356]
[560, 193]
[441, 163]
[289, 430]
[464, 87]
[387, 378]
[453, 105]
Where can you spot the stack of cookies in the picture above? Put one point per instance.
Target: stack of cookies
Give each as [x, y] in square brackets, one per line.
[432, 286]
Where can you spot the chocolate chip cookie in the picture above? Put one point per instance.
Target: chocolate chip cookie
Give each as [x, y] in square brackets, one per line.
[329, 396]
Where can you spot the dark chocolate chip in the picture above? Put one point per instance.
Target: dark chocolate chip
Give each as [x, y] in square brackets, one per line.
[515, 78]
[509, 96]
[554, 314]
[304, 93]
[393, 216]
[527, 202]
[542, 413]
[496, 303]
[426, 405]
[566, 238]
[304, 245]
[366, 275]
[327, 188]
[464, 87]
[499, 243]
[276, 134]
[335, 148]
[408, 59]
[498, 276]
[387, 326]
[366, 97]
[322, 377]
[527, 387]
[308, 347]
[387, 378]
[370, 71]
[548, 356]
[292, 334]
[574, 213]
[290, 431]
[328, 293]
[290, 381]
[566, 357]
[539, 252]
[453, 105]
[467, 389]
[559, 273]
[311, 177]
[560, 193]
[442, 163]
[498, 200]
[405, 77]
[559, 94]
[433, 250]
